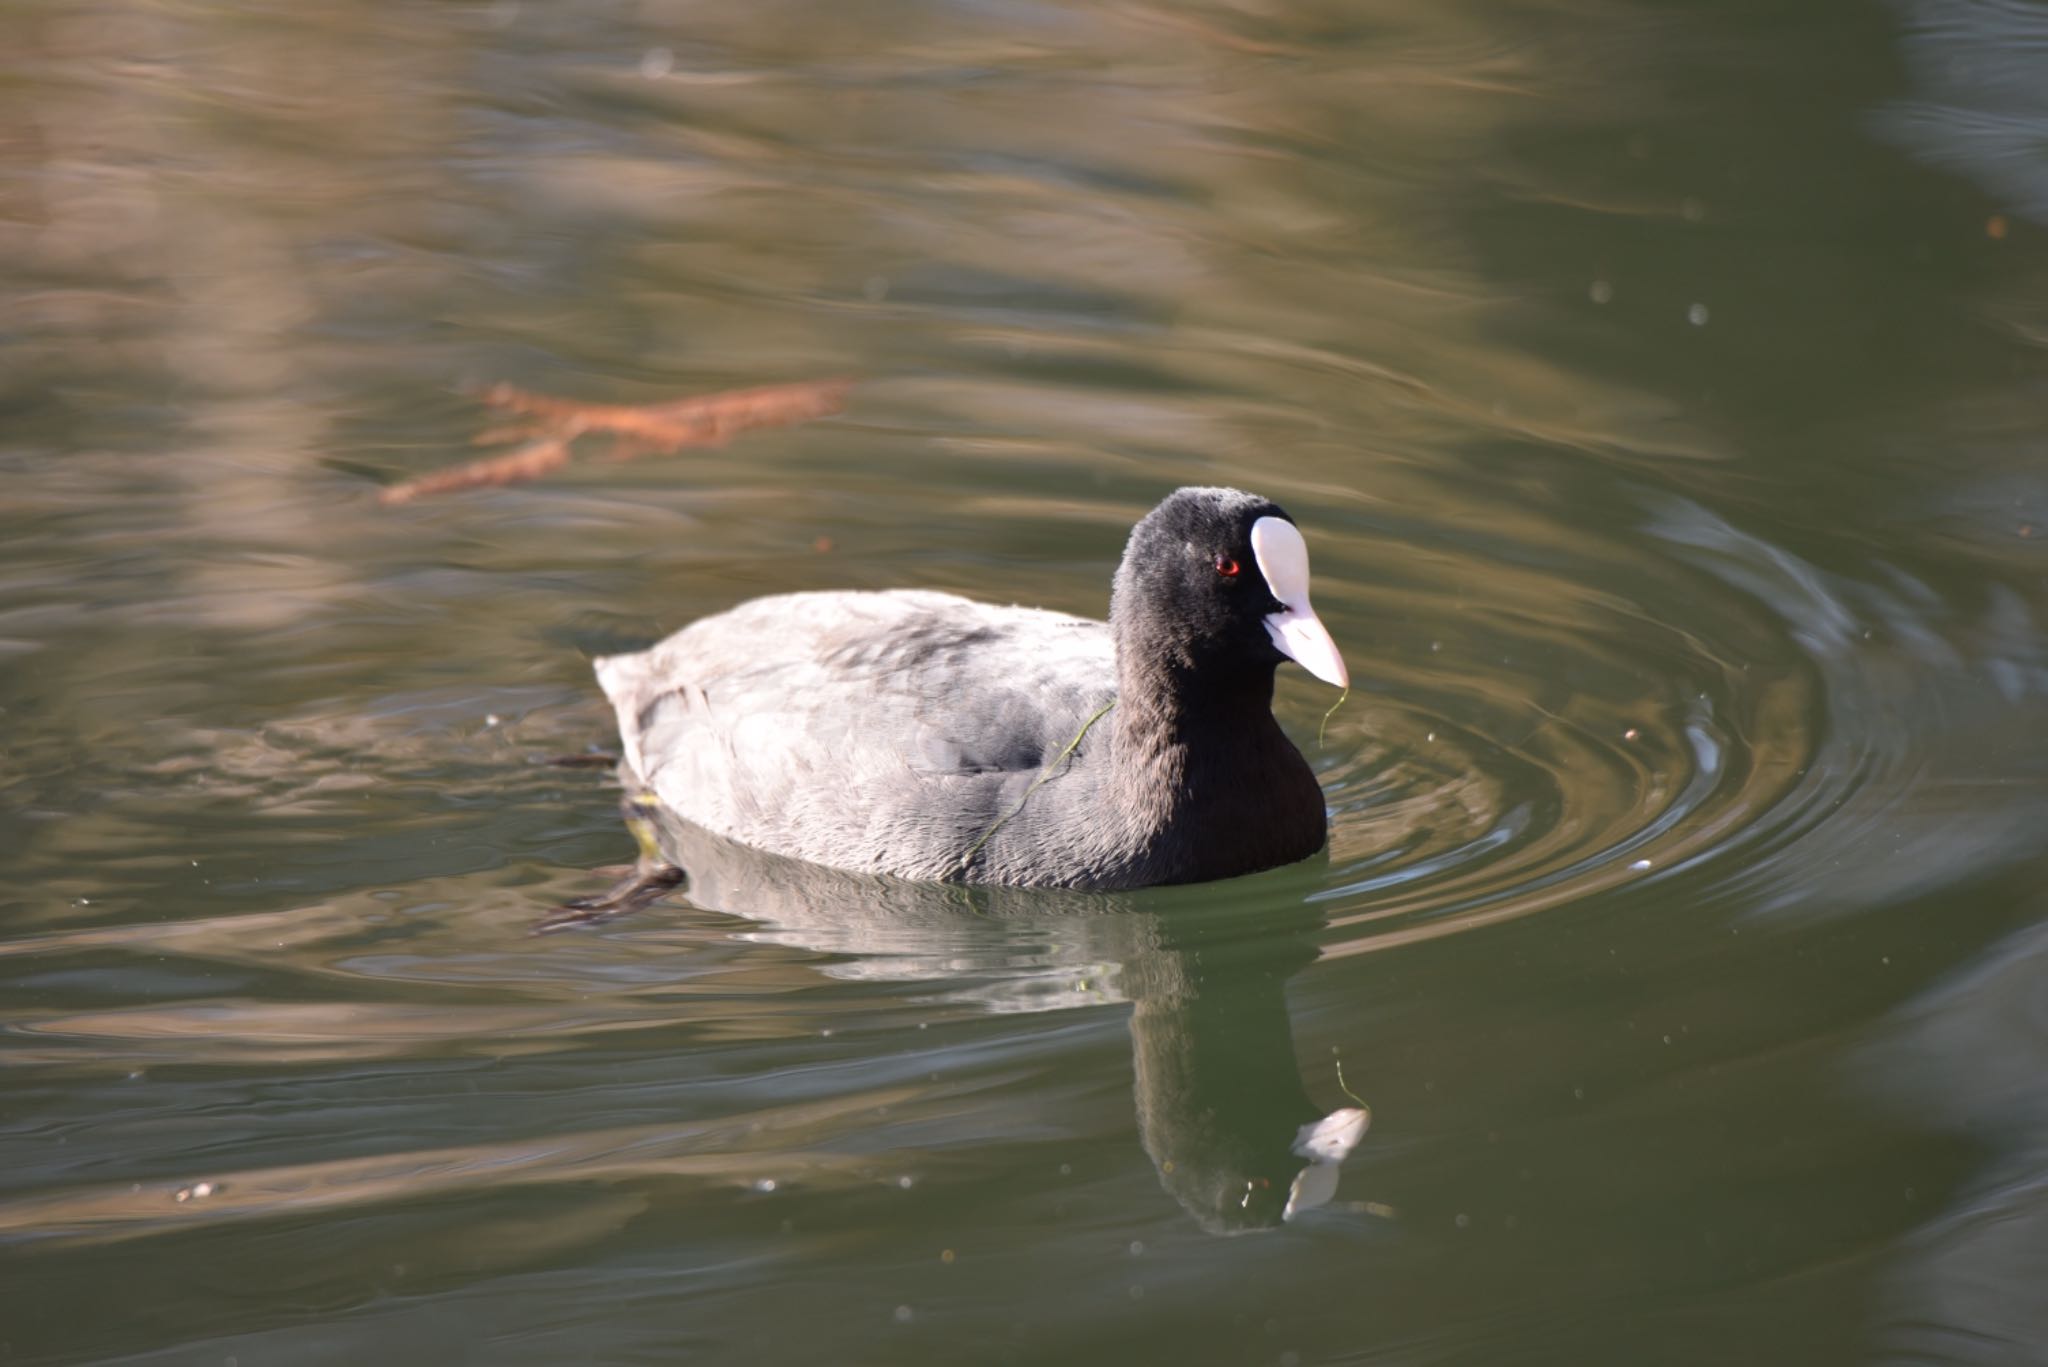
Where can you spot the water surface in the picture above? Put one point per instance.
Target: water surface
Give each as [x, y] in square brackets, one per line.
[1660, 389]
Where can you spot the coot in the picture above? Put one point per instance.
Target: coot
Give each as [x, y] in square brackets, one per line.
[932, 737]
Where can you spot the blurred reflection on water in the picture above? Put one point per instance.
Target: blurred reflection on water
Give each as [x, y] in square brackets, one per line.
[1660, 390]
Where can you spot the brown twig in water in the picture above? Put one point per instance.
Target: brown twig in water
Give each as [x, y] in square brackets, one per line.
[528, 462]
[550, 427]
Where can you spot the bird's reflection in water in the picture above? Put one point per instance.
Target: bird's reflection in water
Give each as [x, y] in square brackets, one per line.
[1221, 1106]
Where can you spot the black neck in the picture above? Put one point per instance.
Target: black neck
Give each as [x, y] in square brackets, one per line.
[1198, 766]
[1183, 725]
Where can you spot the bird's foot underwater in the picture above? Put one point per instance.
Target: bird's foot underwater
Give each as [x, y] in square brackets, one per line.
[652, 878]
[647, 884]
[583, 759]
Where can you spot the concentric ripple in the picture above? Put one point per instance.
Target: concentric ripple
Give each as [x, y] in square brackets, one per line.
[1738, 717]
[1548, 740]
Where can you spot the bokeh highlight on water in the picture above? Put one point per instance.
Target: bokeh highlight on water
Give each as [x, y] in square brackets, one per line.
[1660, 389]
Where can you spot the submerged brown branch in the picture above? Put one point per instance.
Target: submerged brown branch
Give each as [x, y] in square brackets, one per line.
[550, 427]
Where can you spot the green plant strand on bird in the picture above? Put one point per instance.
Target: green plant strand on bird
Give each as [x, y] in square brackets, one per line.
[1057, 761]
[1320, 730]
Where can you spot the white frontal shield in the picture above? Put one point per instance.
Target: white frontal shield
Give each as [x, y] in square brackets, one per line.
[1283, 559]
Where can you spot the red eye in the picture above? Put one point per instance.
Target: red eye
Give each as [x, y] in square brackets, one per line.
[1226, 567]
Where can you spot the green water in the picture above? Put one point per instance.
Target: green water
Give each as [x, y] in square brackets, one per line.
[1661, 389]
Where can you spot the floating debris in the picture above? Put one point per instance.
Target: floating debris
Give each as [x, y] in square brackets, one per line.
[550, 427]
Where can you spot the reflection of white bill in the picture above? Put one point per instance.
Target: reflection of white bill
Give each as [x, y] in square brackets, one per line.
[1325, 1144]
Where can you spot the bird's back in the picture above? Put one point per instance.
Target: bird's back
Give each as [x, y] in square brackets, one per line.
[885, 732]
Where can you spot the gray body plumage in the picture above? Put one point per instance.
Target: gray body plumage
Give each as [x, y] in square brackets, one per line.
[884, 732]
